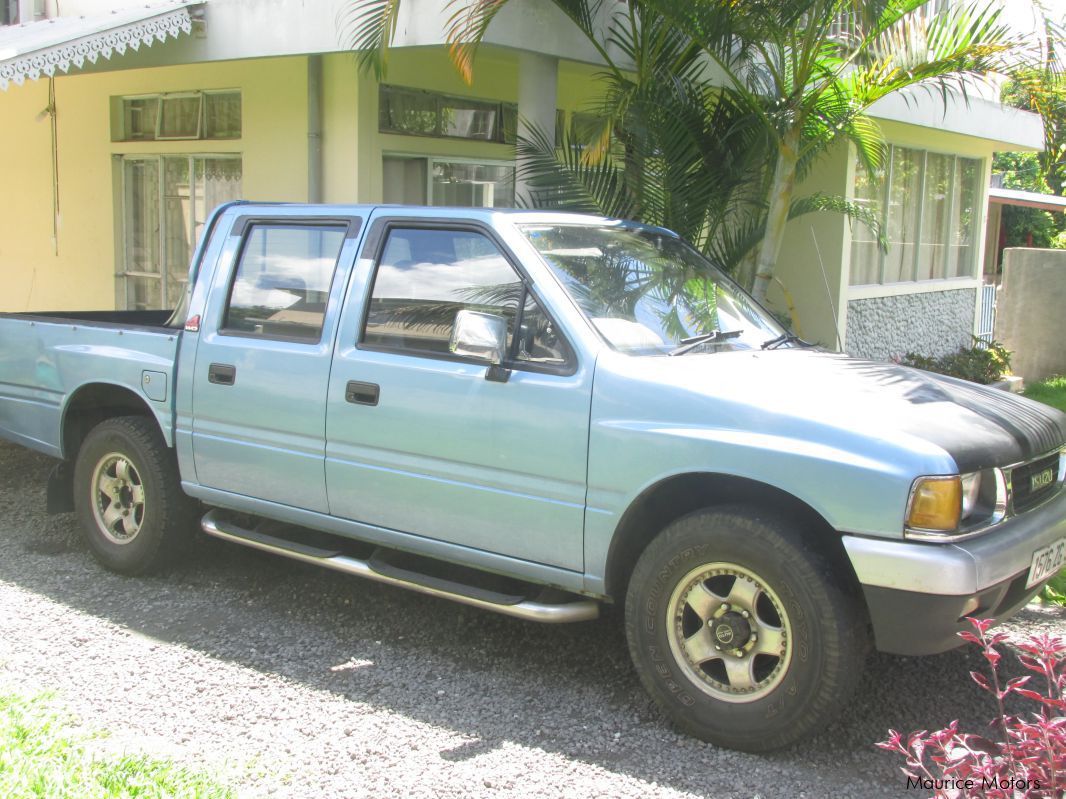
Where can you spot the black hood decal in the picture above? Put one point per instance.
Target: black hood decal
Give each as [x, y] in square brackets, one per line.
[992, 427]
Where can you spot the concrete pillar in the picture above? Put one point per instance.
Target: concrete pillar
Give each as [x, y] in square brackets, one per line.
[314, 128]
[538, 78]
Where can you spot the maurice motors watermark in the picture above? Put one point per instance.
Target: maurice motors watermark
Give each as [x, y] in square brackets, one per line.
[970, 784]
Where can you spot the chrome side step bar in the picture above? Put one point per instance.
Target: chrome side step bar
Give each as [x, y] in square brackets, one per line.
[215, 524]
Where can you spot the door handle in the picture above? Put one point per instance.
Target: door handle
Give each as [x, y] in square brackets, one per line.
[361, 393]
[222, 373]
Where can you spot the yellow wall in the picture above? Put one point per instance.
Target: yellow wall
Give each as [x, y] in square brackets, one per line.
[27, 263]
[273, 148]
[811, 242]
[495, 78]
[82, 274]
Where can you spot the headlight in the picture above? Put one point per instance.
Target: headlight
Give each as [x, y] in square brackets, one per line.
[971, 490]
[935, 504]
[948, 508]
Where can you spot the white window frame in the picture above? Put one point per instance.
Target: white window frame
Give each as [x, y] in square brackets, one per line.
[161, 98]
[448, 159]
[124, 274]
[913, 284]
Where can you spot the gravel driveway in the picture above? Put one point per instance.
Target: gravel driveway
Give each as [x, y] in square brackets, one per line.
[293, 681]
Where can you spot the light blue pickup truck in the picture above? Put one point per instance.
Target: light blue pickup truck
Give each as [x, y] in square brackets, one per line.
[537, 413]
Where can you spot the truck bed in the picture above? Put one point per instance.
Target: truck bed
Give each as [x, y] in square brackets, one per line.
[156, 319]
[47, 358]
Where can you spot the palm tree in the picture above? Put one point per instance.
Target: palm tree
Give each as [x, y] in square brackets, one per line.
[823, 63]
[792, 78]
[664, 147]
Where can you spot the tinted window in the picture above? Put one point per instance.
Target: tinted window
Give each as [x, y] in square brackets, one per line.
[539, 339]
[426, 277]
[283, 280]
[646, 292]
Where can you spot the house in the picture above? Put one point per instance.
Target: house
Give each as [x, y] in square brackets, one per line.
[124, 123]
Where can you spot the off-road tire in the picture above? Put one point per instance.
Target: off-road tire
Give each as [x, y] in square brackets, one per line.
[163, 524]
[826, 645]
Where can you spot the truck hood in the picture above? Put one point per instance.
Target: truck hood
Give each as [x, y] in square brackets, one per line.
[789, 390]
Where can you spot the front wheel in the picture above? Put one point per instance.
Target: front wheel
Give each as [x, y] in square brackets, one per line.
[741, 631]
[128, 497]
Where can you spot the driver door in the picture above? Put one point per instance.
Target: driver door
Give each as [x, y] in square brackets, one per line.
[428, 445]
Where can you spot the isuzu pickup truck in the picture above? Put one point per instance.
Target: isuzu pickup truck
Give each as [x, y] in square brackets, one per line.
[538, 413]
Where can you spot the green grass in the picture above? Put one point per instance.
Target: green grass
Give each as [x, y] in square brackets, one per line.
[40, 758]
[1051, 392]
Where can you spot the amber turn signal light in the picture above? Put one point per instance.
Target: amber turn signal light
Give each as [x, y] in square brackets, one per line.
[935, 504]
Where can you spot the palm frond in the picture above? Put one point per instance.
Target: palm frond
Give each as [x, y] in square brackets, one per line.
[470, 19]
[841, 205]
[369, 26]
[466, 28]
[563, 179]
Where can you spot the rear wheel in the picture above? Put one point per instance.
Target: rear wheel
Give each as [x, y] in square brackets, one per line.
[741, 631]
[128, 496]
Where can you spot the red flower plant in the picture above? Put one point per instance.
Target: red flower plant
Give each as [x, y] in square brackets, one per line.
[1029, 761]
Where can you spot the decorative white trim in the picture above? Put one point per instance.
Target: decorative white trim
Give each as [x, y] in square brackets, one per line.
[913, 287]
[46, 61]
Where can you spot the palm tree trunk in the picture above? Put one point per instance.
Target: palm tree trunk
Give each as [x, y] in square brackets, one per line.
[780, 202]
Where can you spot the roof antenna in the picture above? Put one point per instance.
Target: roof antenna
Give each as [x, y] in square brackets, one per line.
[828, 292]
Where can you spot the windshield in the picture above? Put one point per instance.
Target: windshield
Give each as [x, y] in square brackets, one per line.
[648, 293]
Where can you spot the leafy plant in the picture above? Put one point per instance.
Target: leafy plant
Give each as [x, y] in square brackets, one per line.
[1041, 88]
[1030, 758]
[980, 364]
[1054, 592]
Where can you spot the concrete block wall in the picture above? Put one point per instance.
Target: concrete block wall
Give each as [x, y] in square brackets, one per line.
[1031, 311]
[931, 323]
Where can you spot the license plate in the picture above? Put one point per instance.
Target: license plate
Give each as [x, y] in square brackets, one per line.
[1047, 561]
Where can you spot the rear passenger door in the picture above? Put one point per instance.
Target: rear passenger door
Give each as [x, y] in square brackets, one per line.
[263, 360]
[421, 440]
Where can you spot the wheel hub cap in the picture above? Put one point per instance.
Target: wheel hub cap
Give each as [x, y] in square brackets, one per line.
[118, 498]
[731, 630]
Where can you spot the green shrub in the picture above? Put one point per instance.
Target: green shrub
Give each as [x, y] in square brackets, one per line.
[980, 363]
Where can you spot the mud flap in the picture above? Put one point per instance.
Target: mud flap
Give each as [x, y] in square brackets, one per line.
[61, 489]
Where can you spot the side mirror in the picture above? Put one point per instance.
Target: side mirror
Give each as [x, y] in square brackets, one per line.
[479, 335]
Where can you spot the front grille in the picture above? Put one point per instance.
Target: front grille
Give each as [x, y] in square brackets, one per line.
[1022, 481]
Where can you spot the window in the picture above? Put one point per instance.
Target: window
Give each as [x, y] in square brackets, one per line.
[181, 115]
[646, 293]
[165, 201]
[410, 180]
[416, 112]
[425, 277]
[283, 280]
[927, 204]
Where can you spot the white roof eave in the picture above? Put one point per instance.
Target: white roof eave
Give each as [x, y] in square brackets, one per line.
[60, 44]
[1005, 127]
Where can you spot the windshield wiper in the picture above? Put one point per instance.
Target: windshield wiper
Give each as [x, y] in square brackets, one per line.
[688, 344]
[783, 339]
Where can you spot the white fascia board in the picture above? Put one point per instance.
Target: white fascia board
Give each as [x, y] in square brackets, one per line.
[1005, 127]
[534, 25]
[245, 29]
